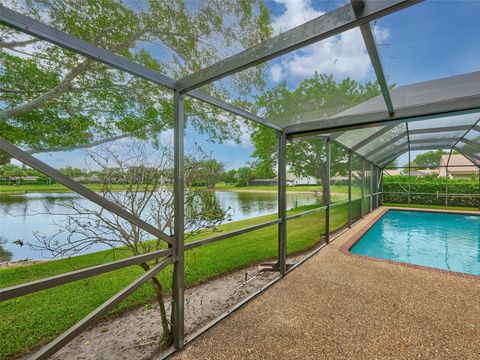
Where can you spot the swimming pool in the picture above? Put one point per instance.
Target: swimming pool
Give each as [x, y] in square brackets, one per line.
[440, 240]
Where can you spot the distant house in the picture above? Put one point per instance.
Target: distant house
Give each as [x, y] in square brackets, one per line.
[264, 182]
[17, 180]
[394, 172]
[93, 179]
[458, 167]
[29, 178]
[294, 180]
[423, 172]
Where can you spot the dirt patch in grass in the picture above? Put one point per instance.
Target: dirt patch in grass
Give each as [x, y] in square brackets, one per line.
[17, 263]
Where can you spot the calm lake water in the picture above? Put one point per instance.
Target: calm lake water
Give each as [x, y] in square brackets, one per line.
[23, 215]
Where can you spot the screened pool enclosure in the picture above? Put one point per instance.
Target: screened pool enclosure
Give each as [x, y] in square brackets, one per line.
[361, 139]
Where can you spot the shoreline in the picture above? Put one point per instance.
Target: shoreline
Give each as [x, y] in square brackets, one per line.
[19, 263]
[240, 190]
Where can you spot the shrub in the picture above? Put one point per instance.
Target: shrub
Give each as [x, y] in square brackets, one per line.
[431, 190]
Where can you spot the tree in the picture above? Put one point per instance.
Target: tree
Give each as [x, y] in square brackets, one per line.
[262, 171]
[209, 172]
[243, 176]
[428, 159]
[320, 96]
[10, 171]
[150, 199]
[73, 172]
[52, 99]
[309, 158]
[229, 177]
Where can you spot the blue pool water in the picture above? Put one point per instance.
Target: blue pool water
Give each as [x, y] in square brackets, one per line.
[440, 240]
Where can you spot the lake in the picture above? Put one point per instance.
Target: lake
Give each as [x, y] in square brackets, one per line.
[23, 215]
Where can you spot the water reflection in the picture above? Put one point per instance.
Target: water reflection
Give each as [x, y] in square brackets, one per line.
[5, 255]
[22, 215]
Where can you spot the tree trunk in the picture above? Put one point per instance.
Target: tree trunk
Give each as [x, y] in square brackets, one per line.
[323, 176]
[157, 286]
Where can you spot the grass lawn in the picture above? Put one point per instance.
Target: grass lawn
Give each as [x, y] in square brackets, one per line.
[300, 188]
[37, 318]
[432, 206]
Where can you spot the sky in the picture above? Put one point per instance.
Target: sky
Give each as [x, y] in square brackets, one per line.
[426, 41]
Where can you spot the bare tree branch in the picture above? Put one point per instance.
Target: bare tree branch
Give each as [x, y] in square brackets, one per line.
[20, 43]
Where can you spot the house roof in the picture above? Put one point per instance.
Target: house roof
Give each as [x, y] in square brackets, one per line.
[455, 160]
[456, 164]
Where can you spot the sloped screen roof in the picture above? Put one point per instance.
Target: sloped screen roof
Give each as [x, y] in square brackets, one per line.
[414, 111]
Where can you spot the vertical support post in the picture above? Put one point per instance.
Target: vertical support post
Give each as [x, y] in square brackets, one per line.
[446, 186]
[381, 187]
[327, 191]
[478, 187]
[282, 202]
[374, 186]
[179, 212]
[409, 179]
[373, 181]
[370, 202]
[349, 188]
[379, 176]
[362, 205]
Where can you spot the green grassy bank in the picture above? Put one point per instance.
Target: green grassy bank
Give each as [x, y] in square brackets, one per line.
[299, 188]
[225, 187]
[35, 319]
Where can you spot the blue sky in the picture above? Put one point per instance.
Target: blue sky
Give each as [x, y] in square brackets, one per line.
[426, 41]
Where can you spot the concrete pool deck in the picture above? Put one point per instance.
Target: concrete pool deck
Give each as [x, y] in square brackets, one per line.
[347, 307]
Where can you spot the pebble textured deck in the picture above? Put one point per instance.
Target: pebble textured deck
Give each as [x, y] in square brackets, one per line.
[336, 306]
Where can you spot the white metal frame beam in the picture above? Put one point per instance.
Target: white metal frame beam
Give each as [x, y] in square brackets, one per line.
[386, 144]
[470, 142]
[392, 151]
[369, 40]
[373, 137]
[440, 129]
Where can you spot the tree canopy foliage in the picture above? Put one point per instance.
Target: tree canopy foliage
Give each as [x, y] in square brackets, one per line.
[319, 95]
[428, 159]
[53, 99]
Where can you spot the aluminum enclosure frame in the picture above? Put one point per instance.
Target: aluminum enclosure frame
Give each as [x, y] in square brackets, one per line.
[357, 14]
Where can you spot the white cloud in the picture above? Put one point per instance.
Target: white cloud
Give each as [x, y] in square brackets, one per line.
[380, 34]
[245, 137]
[245, 143]
[297, 12]
[343, 56]
[276, 72]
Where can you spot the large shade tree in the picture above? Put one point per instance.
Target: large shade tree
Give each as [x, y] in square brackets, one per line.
[52, 99]
[319, 96]
[428, 159]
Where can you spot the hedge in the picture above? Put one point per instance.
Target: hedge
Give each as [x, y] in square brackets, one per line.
[430, 190]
